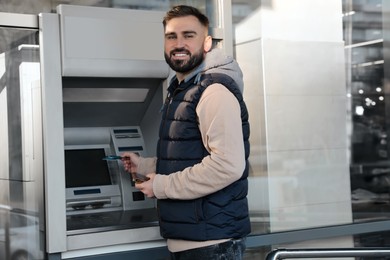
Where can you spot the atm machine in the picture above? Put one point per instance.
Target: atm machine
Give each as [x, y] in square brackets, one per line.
[102, 88]
[103, 79]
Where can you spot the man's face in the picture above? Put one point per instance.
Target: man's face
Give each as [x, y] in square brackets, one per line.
[184, 43]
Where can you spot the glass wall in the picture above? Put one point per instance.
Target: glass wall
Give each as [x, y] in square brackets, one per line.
[365, 30]
[21, 215]
[366, 86]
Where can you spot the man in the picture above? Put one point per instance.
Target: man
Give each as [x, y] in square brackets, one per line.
[200, 174]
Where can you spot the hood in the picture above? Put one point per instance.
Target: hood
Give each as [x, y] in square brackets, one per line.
[217, 62]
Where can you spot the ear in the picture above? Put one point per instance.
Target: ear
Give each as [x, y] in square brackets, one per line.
[208, 42]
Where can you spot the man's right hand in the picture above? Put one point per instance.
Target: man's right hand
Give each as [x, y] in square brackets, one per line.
[130, 162]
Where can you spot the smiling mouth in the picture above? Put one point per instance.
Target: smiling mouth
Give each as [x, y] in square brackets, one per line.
[180, 54]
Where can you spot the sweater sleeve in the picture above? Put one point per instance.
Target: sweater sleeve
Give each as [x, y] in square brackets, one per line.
[219, 118]
[146, 165]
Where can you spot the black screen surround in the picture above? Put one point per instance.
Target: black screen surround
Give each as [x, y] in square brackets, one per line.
[86, 167]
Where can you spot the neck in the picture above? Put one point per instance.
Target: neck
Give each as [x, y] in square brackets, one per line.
[181, 76]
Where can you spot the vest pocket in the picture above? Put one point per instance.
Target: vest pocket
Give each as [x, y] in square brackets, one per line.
[180, 211]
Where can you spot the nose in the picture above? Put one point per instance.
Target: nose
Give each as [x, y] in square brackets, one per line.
[180, 42]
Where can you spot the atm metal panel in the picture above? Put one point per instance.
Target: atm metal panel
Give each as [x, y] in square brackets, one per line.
[108, 42]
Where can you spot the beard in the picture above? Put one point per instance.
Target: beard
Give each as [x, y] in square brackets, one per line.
[183, 66]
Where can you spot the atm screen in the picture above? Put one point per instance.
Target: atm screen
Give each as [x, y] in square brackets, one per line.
[85, 167]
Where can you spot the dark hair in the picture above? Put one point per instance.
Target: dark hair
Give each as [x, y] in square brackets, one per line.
[185, 10]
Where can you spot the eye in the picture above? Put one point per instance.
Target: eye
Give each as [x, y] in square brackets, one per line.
[170, 37]
[189, 35]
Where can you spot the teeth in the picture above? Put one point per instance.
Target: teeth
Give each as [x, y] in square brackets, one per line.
[180, 54]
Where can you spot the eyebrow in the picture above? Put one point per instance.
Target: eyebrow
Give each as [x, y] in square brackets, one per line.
[184, 32]
[187, 32]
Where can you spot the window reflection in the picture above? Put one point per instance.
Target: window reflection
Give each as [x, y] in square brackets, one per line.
[23, 236]
[21, 215]
[370, 169]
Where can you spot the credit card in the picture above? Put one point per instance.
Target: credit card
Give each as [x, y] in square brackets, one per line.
[112, 158]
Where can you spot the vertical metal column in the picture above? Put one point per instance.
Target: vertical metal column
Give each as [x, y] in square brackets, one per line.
[219, 13]
[53, 132]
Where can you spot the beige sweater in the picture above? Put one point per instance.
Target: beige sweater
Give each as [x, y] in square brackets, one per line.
[220, 124]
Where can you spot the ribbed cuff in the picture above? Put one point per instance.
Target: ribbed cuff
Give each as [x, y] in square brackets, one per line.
[159, 184]
[146, 165]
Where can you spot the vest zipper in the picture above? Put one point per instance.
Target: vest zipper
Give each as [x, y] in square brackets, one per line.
[170, 98]
[168, 104]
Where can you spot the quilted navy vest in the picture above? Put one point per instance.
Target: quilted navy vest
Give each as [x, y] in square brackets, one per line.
[223, 214]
